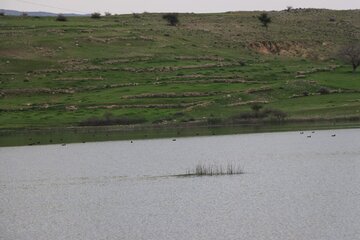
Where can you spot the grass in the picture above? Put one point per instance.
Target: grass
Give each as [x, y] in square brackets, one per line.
[215, 170]
[207, 69]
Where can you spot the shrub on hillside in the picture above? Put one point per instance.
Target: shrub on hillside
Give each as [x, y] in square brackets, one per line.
[264, 19]
[109, 119]
[275, 114]
[256, 107]
[2, 14]
[171, 18]
[96, 15]
[323, 91]
[61, 18]
[351, 54]
[214, 121]
[271, 114]
[136, 15]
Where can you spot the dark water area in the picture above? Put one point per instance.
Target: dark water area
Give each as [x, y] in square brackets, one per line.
[31, 137]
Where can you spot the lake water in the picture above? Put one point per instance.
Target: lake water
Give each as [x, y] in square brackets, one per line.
[294, 187]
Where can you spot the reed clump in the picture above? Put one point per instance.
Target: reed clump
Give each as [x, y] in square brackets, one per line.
[215, 170]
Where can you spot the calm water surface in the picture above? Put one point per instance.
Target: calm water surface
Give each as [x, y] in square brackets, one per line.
[294, 188]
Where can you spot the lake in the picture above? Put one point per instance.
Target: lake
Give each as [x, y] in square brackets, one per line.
[294, 187]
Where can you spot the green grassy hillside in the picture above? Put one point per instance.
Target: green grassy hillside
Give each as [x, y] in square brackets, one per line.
[136, 69]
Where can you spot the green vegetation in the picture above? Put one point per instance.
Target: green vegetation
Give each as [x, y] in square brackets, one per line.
[264, 19]
[171, 18]
[211, 69]
[61, 18]
[96, 15]
[351, 54]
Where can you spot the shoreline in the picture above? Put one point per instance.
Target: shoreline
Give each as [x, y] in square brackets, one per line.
[67, 135]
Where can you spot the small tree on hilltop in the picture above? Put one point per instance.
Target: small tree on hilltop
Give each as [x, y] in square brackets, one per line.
[171, 18]
[264, 19]
[136, 15]
[351, 54]
[61, 18]
[96, 15]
